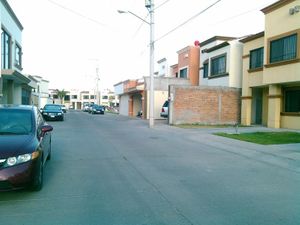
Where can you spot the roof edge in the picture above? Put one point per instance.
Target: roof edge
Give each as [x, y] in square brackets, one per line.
[253, 37]
[275, 6]
[13, 15]
[215, 38]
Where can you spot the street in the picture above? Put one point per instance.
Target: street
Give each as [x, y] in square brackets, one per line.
[113, 170]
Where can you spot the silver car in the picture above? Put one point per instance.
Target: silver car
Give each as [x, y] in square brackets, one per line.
[165, 110]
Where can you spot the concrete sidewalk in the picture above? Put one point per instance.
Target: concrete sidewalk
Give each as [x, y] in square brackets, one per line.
[284, 155]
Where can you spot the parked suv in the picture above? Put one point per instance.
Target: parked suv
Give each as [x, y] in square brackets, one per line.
[165, 110]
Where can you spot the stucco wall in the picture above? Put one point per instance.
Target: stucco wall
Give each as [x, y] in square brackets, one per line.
[291, 122]
[123, 110]
[159, 98]
[162, 83]
[204, 105]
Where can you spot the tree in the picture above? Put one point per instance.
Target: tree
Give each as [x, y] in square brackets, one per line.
[61, 94]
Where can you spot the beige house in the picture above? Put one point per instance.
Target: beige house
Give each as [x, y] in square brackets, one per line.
[271, 69]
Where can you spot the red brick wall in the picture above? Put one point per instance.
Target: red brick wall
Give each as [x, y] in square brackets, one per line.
[204, 105]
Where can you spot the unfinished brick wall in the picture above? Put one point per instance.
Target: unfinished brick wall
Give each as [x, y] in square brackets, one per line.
[204, 105]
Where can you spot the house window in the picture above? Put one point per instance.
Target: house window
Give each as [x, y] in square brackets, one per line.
[205, 70]
[18, 56]
[218, 65]
[5, 50]
[25, 97]
[283, 49]
[67, 98]
[92, 96]
[104, 97]
[85, 97]
[256, 58]
[74, 96]
[183, 73]
[292, 100]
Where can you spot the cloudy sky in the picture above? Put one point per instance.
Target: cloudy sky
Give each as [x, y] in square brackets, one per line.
[65, 41]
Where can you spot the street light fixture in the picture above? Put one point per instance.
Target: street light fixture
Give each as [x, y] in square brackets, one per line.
[122, 11]
[149, 4]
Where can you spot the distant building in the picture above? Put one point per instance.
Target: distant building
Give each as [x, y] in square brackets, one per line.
[77, 99]
[108, 98]
[40, 93]
[163, 68]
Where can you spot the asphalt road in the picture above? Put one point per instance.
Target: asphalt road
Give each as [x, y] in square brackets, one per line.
[112, 170]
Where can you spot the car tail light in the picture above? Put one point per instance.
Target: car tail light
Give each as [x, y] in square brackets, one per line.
[162, 110]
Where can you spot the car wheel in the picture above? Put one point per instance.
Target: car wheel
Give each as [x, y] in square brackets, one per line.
[39, 179]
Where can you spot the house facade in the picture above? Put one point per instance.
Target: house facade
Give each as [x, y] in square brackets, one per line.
[40, 91]
[134, 95]
[131, 97]
[14, 88]
[271, 69]
[221, 62]
[188, 64]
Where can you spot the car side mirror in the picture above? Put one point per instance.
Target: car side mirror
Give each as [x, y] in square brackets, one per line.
[46, 128]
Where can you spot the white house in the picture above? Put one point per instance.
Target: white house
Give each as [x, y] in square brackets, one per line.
[14, 88]
[40, 91]
[221, 62]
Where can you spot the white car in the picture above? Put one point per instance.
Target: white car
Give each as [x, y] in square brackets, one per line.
[63, 108]
[165, 110]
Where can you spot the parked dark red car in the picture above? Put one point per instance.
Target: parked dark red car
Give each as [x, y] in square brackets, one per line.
[25, 145]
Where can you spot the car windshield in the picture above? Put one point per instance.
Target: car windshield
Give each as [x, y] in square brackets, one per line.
[15, 121]
[52, 107]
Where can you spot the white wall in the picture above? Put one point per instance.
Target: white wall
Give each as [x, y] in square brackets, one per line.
[159, 98]
[234, 52]
[119, 89]
[17, 94]
[236, 64]
[123, 105]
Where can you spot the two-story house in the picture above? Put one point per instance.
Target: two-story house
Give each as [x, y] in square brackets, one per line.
[221, 62]
[271, 69]
[13, 84]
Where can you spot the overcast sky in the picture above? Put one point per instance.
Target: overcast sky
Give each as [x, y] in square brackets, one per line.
[64, 41]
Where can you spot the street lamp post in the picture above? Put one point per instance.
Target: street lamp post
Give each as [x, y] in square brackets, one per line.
[150, 7]
[149, 4]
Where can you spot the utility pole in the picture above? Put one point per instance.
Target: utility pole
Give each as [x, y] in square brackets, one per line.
[150, 6]
[97, 85]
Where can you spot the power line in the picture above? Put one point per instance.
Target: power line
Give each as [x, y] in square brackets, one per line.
[160, 5]
[182, 24]
[77, 13]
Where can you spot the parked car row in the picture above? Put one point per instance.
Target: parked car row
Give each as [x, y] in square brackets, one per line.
[25, 146]
[94, 109]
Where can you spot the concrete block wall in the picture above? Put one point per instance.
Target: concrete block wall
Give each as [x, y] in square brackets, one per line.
[204, 105]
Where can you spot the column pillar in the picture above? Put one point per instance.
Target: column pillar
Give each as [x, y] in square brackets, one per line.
[130, 106]
[246, 107]
[10, 92]
[274, 107]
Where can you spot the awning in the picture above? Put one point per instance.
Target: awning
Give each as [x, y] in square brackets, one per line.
[15, 76]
